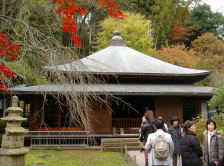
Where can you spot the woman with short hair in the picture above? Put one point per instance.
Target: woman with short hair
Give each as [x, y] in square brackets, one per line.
[212, 143]
[190, 149]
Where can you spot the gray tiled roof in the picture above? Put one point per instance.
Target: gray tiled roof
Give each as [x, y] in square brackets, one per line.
[125, 60]
[120, 89]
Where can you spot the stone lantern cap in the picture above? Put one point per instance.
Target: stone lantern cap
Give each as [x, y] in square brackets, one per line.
[14, 119]
[14, 112]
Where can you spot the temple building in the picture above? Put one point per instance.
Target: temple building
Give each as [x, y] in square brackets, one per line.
[141, 80]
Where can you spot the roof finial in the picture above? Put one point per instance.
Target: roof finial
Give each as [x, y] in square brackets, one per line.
[117, 33]
[117, 39]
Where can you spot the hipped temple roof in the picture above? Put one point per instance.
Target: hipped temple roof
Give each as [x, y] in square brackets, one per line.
[122, 60]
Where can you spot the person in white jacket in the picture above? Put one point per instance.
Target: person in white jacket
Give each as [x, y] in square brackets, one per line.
[160, 142]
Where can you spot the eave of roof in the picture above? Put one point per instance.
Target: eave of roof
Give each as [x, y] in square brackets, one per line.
[119, 89]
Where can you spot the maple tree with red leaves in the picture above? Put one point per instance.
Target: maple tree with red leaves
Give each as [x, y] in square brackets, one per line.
[179, 32]
[70, 11]
[7, 50]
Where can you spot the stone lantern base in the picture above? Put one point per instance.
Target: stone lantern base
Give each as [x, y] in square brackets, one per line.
[13, 152]
[13, 157]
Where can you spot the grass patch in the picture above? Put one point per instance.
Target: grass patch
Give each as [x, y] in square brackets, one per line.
[74, 158]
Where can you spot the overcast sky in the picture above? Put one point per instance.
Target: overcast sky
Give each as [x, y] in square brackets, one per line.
[216, 5]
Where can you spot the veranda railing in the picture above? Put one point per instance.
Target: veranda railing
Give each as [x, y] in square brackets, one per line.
[58, 138]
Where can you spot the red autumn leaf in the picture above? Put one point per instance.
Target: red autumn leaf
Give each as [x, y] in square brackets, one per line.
[179, 32]
[14, 77]
[82, 12]
[63, 29]
[116, 16]
[3, 88]
[58, 11]
[70, 9]
[3, 37]
[11, 50]
[8, 49]
[75, 38]
[110, 12]
[78, 45]
[72, 30]
[6, 71]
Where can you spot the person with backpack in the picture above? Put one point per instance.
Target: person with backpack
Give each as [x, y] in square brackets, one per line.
[190, 149]
[160, 146]
[165, 127]
[146, 129]
[212, 143]
[176, 134]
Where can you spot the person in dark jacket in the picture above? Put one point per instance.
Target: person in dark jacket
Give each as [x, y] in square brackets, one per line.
[146, 129]
[212, 145]
[190, 149]
[149, 113]
[141, 143]
[175, 132]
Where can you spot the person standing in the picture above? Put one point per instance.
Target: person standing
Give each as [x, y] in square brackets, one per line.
[175, 132]
[165, 127]
[139, 142]
[160, 146]
[150, 114]
[190, 149]
[212, 143]
[146, 129]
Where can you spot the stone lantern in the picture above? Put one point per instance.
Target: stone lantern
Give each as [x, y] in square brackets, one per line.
[13, 152]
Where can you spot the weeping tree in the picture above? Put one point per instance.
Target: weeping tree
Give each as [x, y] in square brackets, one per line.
[51, 33]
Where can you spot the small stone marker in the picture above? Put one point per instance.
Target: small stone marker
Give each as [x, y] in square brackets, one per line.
[45, 156]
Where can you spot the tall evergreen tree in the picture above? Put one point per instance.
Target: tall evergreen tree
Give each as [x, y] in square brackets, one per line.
[207, 21]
